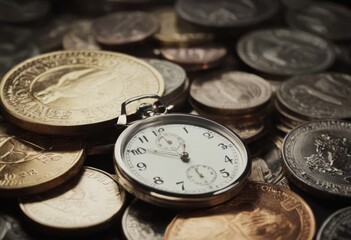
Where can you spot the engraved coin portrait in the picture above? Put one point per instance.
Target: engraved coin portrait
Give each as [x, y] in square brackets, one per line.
[19, 149]
[226, 11]
[243, 220]
[326, 88]
[74, 200]
[227, 90]
[332, 156]
[288, 52]
[77, 87]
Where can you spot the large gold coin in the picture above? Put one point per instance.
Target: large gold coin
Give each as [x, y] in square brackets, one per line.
[89, 202]
[261, 211]
[74, 92]
[32, 163]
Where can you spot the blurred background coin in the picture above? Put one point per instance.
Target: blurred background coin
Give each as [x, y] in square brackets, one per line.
[124, 28]
[336, 226]
[285, 52]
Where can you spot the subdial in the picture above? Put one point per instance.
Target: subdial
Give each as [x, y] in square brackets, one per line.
[201, 174]
[169, 141]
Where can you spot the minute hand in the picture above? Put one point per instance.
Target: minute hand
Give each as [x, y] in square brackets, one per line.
[161, 152]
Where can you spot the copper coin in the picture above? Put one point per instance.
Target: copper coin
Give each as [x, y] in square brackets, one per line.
[74, 92]
[32, 163]
[336, 226]
[261, 211]
[80, 37]
[89, 202]
[326, 19]
[195, 58]
[317, 158]
[285, 52]
[124, 27]
[317, 96]
[226, 13]
[231, 92]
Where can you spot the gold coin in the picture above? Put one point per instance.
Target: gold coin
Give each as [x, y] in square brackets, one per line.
[261, 211]
[89, 202]
[74, 92]
[32, 163]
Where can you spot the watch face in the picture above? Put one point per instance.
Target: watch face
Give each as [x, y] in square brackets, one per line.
[180, 154]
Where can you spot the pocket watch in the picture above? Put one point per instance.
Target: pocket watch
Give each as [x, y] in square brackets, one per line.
[179, 160]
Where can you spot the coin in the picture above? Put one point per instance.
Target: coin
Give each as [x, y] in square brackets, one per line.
[80, 37]
[317, 96]
[267, 168]
[140, 221]
[173, 33]
[285, 52]
[124, 27]
[262, 211]
[16, 44]
[226, 13]
[74, 92]
[317, 158]
[32, 163]
[173, 75]
[89, 202]
[195, 58]
[231, 92]
[336, 226]
[23, 11]
[326, 19]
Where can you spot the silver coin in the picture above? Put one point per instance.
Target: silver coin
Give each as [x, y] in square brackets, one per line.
[23, 11]
[317, 96]
[142, 221]
[226, 13]
[337, 226]
[173, 75]
[231, 91]
[326, 19]
[285, 52]
[317, 158]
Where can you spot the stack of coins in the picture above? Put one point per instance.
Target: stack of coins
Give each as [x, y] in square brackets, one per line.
[176, 82]
[313, 97]
[238, 100]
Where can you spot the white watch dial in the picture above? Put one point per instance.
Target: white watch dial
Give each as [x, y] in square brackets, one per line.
[182, 159]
